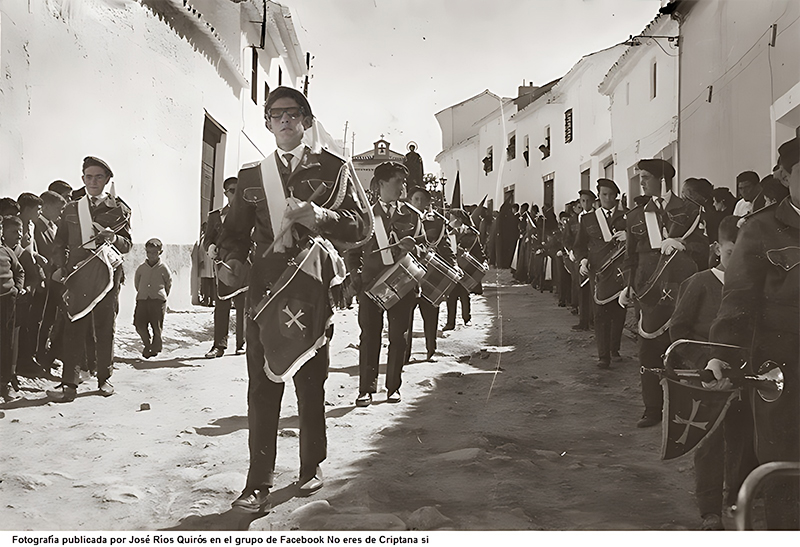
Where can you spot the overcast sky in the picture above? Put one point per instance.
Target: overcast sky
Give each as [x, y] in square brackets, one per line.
[387, 66]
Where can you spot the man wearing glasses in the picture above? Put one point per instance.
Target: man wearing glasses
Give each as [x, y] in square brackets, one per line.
[279, 204]
[225, 294]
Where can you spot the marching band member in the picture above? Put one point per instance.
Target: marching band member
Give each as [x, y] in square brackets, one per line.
[396, 226]
[586, 199]
[467, 240]
[95, 227]
[599, 235]
[435, 233]
[761, 309]
[666, 224]
[279, 204]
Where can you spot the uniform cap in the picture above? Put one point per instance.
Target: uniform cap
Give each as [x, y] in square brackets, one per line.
[587, 193]
[657, 167]
[607, 183]
[92, 161]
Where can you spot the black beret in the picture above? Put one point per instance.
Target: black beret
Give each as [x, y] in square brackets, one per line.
[748, 176]
[587, 193]
[789, 154]
[289, 93]
[657, 167]
[607, 183]
[91, 161]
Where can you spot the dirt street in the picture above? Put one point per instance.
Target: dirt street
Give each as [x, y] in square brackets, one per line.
[513, 427]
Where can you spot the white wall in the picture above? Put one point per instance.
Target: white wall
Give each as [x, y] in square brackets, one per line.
[642, 126]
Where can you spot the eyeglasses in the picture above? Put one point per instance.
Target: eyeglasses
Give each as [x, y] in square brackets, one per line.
[294, 112]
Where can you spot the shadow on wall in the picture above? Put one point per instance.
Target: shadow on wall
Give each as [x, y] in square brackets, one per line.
[178, 259]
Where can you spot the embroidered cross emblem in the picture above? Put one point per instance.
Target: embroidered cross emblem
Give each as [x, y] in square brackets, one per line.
[666, 294]
[690, 422]
[294, 318]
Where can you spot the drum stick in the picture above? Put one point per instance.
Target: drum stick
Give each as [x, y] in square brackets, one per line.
[419, 239]
[115, 229]
[286, 228]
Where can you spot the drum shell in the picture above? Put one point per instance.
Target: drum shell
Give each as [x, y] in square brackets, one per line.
[473, 271]
[396, 282]
[439, 280]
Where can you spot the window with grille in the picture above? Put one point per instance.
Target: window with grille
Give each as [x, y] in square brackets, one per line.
[568, 126]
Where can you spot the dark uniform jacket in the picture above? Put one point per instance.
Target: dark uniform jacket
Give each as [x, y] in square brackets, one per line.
[214, 227]
[676, 219]
[247, 230]
[589, 242]
[437, 239]
[110, 212]
[404, 222]
[761, 309]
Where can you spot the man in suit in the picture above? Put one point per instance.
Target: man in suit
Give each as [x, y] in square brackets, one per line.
[96, 219]
[664, 225]
[280, 203]
[225, 294]
[599, 235]
[396, 227]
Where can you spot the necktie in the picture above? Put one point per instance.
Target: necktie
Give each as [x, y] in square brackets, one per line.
[93, 200]
[288, 158]
[660, 203]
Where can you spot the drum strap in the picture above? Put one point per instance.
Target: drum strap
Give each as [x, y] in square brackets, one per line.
[653, 231]
[603, 222]
[381, 236]
[273, 189]
[692, 228]
[85, 222]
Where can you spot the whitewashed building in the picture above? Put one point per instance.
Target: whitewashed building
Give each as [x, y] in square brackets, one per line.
[543, 146]
[169, 92]
[643, 89]
[462, 152]
[739, 85]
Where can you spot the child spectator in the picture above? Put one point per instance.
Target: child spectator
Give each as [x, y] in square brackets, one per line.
[723, 458]
[8, 207]
[153, 283]
[773, 190]
[12, 284]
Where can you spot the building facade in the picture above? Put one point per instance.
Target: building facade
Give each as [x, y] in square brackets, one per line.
[366, 162]
[169, 92]
[739, 85]
[643, 90]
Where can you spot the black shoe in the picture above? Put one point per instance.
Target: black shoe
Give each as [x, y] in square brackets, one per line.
[649, 419]
[394, 397]
[253, 501]
[364, 399]
[616, 357]
[448, 327]
[62, 394]
[604, 363]
[9, 394]
[240, 350]
[214, 353]
[430, 355]
[580, 327]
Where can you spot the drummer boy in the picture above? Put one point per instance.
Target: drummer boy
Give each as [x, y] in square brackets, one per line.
[96, 219]
[396, 227]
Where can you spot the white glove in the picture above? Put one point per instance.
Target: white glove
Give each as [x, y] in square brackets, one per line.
[560, 253]
[572, 256]
[584, 269]
[625, 297]
[619, 236]
[720, 382]
[670, 245]
[212, 251]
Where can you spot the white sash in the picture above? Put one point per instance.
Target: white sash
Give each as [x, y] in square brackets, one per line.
[693, 227]
[273, 188]
[382, 238]
[85, 222]
[603, 222]
[719, 274]
[653, 231]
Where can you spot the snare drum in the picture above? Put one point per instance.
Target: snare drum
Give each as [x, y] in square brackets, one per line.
[472, 269]
[396, 282]
[439, 280]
